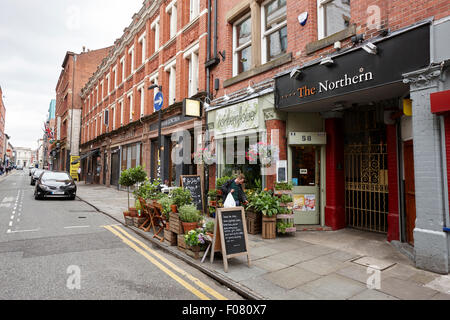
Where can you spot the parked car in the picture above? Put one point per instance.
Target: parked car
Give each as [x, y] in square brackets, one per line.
[30, 173]
[35, 176]
[55, 184]
[19, 167]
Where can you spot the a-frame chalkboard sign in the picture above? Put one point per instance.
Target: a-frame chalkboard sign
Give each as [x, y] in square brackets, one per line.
[231, 231]
[194, 184]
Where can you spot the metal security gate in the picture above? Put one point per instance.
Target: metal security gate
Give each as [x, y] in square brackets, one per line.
[366, 174]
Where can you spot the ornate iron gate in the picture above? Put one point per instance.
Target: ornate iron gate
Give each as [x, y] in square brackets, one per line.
[366, 174]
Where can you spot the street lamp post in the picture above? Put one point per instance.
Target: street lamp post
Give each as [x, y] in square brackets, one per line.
[157, 104]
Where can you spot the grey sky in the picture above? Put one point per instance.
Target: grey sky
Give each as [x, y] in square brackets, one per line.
[34, 37]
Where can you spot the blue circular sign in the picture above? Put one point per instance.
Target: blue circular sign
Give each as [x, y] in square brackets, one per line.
[158, 101]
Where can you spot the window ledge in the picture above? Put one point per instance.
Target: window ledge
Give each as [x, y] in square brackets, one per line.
[285, 58]
[325, 42]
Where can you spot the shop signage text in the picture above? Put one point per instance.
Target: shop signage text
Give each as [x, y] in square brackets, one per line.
[239, 117]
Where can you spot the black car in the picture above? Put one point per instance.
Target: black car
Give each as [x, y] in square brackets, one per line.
[35, 176]
[55, 184]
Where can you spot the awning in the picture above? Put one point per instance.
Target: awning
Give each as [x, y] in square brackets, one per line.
[85, 156]
[440, 102]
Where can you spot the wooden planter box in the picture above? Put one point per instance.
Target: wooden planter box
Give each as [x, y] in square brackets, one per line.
[129, 221]
[280, 192]
[254, 222]
[175, 224]
[138, 221]
[269, 227]
[170, 238]
[195, 252]
[181, 243]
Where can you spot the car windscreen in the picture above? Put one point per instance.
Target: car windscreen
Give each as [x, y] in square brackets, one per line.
[55, 176]
[37, 172]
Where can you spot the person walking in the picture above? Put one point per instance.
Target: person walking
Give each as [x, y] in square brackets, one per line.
[79, 174]
[234, 186]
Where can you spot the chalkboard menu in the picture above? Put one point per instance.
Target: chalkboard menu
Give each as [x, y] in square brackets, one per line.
[231, 233]
[194, 185]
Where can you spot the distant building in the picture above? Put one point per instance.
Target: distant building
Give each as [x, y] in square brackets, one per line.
[24, 156]
[76, 71]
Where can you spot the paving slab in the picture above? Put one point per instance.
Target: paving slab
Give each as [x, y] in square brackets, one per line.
[354, 272]
[292, 257]
[375, 263]
[291, 277]
[342, 255]
[322, 265]
[333, 287]
[372, 295]
[441, 296]
[269, 264]
[406, 290]
[440, 283]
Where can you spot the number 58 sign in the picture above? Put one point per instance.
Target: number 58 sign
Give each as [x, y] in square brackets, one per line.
[316, 138]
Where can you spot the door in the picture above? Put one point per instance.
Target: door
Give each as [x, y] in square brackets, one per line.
[115, 167]
[306, 184]
[410, 195]
[105, 167]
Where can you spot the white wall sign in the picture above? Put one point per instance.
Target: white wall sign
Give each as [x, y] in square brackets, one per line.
[316, 138]
[239, 117]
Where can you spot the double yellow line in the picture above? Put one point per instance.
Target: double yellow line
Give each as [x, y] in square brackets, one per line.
[155, 258]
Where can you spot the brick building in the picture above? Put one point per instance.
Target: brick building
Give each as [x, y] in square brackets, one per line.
[3, 140]
[163, 46]
[347, 84]
[76, 71]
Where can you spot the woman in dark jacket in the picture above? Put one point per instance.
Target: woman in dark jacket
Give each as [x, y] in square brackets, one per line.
[235, 187]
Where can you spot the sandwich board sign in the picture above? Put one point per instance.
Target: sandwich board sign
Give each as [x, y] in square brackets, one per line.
[231, 231]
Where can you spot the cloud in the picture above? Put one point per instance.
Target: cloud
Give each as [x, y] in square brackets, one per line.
[34, 38]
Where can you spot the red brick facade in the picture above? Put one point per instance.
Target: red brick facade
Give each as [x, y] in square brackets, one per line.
[3, 146]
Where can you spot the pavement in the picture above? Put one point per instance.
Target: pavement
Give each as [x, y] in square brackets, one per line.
[346, 264]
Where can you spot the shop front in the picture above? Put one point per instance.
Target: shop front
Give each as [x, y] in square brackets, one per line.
[349, 134]
[240, 128]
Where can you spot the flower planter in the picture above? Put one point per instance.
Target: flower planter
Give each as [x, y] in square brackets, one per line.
[133, 212]
[213, 203]
[181, 243]
[175, 223]
[129, 221]
[170, 238]
[254, 222]
[269, 227]
[195, 252]
[138, 221]
[188, 226]
[167, 225]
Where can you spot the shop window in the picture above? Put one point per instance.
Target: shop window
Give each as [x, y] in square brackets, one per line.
[124, 161]
[304, 166]
[333, 16]
[242, 45]
[133, 156]
[274, 30]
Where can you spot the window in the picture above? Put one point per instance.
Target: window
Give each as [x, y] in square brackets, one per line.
[242, 45]
[171, 9]
[274, 30]
[121, 112]
[192, 56]
[130, 103]
[114, 70]
[171, 69]
[131, 58]
[101, 90]
[333, 16]
[155, 28]
[113, 111]
[142, 100]
[194, 9]
[154, 80]
[142, 45]
[122, 66]
[96, 89]
[108, 84]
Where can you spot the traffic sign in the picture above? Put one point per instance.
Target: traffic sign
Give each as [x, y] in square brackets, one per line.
[158, 101]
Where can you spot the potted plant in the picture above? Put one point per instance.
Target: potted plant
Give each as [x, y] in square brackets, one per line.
[266, 203]
[212, 195]
[189, 216]
[253, 217]
[126, 180]
[209, 228]
[283, 188]
[286, 200]
[195, 242]
[180, 197]
[165, 203]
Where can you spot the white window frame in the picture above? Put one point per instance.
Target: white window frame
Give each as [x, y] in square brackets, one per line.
[131, 52]
[192, 56]
[102, 88]
[266, 33]
[96, 89]
[130, 99]
[113, 110]
[171, 9]
[237, 49]
[141, 89]
[115, 76]
[172, 70]
[155, 27]
[122, 62]
[121, 111]
[143, 39]
[321, 18]
[194, 7]
[108, 81]
[154, 80]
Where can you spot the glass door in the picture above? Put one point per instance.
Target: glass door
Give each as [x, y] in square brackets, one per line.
[306, 184]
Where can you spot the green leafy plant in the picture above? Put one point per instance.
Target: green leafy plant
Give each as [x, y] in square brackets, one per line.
[283, 186]
[189, 213]
[221, 181]
[265, 203]
[285, 198]
[212, 194]
[138, 174]
[165, 203]
[195, 238]
[149, 190]
[181, 197]
[282, 226]
[129, 178]
[209, 226]
[258, 184]
[212, 210]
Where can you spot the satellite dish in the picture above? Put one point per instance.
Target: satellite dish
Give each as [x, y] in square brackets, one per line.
[302, 18]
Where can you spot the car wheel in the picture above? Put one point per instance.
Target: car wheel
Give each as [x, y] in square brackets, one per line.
[36, 197]
[72, 197]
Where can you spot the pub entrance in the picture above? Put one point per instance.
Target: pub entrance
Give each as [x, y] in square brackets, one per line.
[366, 169]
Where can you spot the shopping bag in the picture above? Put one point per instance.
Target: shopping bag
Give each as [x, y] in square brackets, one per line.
[229, 201]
